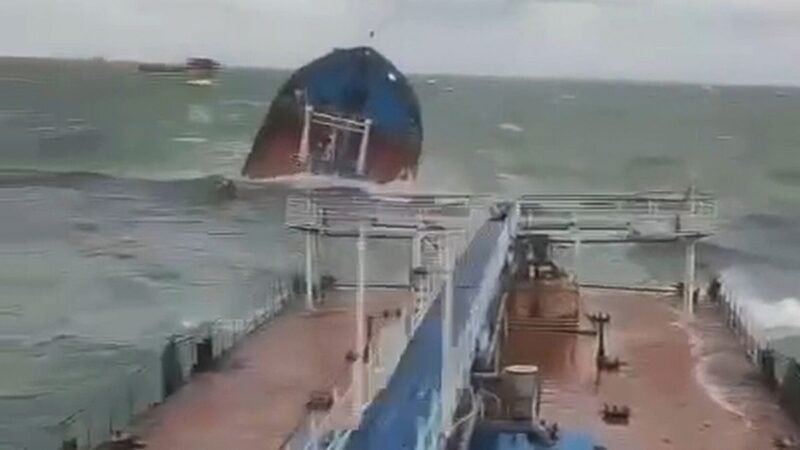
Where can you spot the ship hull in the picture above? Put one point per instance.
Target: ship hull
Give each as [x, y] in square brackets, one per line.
[356, 84]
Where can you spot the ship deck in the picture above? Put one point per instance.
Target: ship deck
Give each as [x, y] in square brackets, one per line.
[257, 398]
[670, 379]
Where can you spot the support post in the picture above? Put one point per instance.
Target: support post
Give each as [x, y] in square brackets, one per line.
[362, 150]
[361, 322]
[416, 263]
[416, 251]
[577, 251]
[309, 271]
[688, 282]
[302, 154]
[447, 336]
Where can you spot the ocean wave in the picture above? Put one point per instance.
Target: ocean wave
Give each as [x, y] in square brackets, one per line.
[191, 184]
[784, 313]
[246, 102]
[764, 315]
[306, 181]
[34, 177]
[149, 194]
[16, 395]
[765, 220]
[507, 126]
[189, 139]
[655, 161]
[721, 256]
[785, 176]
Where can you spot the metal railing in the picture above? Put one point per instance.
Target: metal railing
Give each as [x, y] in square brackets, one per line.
[341, 212]
[649, 215]
[781, 372]
[448, 223]
[113, 406]
[321, 430]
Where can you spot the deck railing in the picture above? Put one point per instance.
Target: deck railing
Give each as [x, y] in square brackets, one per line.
[323, 430]
[780, 371]
[113, 406]
[629, 216]
[336, 213]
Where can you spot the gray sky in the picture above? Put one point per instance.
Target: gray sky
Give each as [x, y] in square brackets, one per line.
[732, 41]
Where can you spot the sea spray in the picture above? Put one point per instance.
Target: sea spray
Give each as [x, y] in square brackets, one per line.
[775, 319]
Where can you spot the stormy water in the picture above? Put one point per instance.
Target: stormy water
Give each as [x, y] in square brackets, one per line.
[114, 234]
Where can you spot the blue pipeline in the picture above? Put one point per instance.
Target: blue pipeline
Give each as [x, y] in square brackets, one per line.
[392, 420]
[405, 415]
[493, 440]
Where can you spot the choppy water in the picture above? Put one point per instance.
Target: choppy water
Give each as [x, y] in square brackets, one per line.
[112, 234]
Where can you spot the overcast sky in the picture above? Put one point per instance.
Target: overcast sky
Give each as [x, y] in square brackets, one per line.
[731, 41]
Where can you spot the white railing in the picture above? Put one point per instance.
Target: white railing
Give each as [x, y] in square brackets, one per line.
[341, 212]
[451, 223]
[618, 216]
[331, 429]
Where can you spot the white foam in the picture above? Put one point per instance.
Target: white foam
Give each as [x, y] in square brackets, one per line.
[782, 314]
[716, 392]
[767, 315]
[190, 139]
[702, 372]
[507, 176]
[305, 180]
[246, 102]
[514, 128]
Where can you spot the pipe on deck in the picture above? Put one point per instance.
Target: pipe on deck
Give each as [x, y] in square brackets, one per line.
[689, 279]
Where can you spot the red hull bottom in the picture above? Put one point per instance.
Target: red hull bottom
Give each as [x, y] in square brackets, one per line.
[386, 161]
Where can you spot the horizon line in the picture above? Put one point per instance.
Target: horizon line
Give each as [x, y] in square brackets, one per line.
[432, 74]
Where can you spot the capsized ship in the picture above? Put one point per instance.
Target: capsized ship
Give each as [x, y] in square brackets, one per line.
[350, 113]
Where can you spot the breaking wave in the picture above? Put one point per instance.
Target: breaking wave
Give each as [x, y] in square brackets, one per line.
[514, 128]
[770, 316]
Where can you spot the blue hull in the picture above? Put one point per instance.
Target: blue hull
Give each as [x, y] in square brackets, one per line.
[357, 83]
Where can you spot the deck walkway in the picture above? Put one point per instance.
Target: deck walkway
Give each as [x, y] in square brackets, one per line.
[258, 398]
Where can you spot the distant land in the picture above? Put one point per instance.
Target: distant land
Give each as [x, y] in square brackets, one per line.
[782, 89]
[40, 60]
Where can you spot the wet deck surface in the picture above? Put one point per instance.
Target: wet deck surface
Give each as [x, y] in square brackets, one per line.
[258, 398]
[688, 387]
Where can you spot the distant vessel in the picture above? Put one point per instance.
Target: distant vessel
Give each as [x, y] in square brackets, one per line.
[161, 68]
[195, 67]
[350, 113]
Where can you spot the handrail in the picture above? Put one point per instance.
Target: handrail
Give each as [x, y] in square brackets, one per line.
[347, 212]
[618, 217]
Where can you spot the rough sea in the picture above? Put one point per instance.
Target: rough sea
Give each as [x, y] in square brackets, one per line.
[113, 234]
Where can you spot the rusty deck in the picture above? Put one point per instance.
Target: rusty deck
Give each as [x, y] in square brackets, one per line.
[668, 379]
[258, 398]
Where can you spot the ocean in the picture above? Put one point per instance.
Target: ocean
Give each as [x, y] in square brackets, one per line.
[114, 236]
